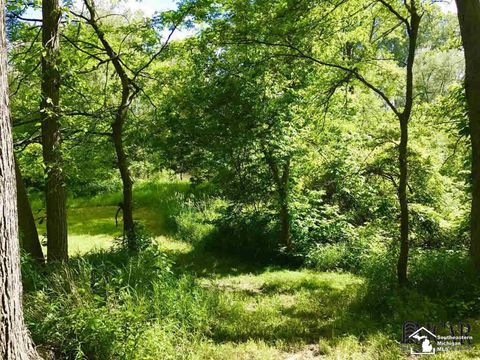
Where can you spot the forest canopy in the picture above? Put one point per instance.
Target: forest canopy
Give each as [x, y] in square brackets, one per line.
[297, 142]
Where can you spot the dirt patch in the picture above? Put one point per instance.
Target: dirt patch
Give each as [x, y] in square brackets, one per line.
[309, 352]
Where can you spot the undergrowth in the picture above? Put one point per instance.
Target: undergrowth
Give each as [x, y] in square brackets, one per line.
[106, 305]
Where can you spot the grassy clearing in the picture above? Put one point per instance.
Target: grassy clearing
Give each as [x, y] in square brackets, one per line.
[92, 224]
[106, 306]
[181, 302]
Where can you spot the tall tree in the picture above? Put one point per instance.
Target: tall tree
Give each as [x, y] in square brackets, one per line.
[405, 14]
[469, 18]
[15, 343]
[129, 90]
[57, 245]
[28, 230]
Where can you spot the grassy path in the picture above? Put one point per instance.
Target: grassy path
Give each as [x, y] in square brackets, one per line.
[277, 313]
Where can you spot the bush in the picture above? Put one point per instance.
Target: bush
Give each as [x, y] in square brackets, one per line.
[448, 275]
[442, 285]
[324, 257]
[194, 220]
[141, 236]
[426, 229]
[249, 235]
[315, 222]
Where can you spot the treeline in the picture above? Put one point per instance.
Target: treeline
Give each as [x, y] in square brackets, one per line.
[262, 81]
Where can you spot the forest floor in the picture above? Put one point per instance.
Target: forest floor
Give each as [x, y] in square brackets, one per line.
[265, 312]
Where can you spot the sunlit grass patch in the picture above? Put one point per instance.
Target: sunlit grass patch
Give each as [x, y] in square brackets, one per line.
[94, 221]
[171, 246]
[250, 349]
[82, 244]
[274, 280]
[295, 280]
[281, 305]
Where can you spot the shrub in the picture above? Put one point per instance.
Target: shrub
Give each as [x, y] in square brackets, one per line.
[324, 257]
[315, 222]
[448, 275]
[250, 235]
[141, 236]
[194, 220]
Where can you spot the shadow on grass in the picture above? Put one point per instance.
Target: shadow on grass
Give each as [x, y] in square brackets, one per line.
[269, 305]
[274, 304]
[202, 263]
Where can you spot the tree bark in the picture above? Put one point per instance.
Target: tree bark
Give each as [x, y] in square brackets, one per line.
[469, 19]
[15, 342]
[285, 227]
[129, 91]
[57, 243]
[403, 200]
[122, 163]
[404, 118]
[29, 240]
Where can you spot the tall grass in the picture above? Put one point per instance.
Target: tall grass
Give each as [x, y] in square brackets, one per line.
[108, 305]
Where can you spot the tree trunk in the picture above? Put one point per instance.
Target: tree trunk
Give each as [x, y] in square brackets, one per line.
[469, 18]
[404, 118]
[129, 91]
[57, 244]
[28, 230]
[285, 233]
[15, 342]
[403, 200]
[122, 163]
[281, 183]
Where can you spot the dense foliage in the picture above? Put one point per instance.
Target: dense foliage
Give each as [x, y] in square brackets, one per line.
[266, 133]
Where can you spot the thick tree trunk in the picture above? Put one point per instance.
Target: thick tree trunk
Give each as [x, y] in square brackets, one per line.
[28, 230]
[57, 244]
[15, 342]
[469, 18]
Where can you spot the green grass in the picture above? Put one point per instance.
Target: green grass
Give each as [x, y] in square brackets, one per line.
[181, 302]
[92, 224]
[289, 306]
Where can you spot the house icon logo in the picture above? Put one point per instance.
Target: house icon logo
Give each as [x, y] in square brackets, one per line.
[423, 342]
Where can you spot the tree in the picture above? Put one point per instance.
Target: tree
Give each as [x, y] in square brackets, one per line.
[15, 343]
[129, 91]
[129, 80]
[469, 19]
[293, 36]
[28, 230]
[57, 243]
[233, 119]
